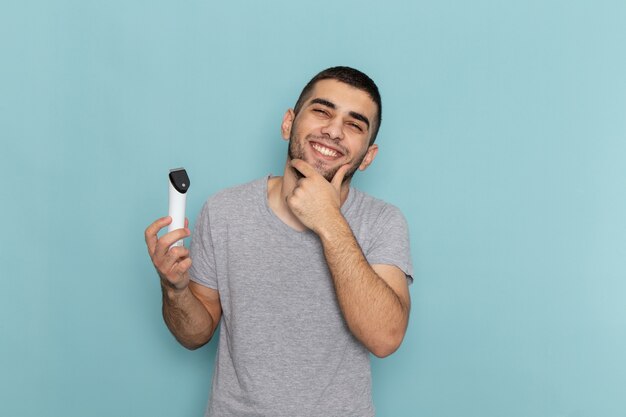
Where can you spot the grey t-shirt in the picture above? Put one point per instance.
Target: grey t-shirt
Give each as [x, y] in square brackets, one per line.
[284, 347]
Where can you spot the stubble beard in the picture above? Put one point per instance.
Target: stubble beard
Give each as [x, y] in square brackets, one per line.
[296, 151]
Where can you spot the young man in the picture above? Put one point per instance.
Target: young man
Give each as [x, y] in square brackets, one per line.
[307, 275]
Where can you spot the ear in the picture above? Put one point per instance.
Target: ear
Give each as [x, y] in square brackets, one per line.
[285, 127]
[371, 153]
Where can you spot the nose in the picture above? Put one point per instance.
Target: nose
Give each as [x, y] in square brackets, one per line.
[334, 128]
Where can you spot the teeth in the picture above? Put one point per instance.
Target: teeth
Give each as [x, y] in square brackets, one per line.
[324, 151]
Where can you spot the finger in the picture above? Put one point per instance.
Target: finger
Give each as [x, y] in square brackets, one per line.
[339, 176]
[168, 239]
[303, 167]
[179, 277]
[178, 252]
[183, 266]
[174, 256]
[152, 230]
[186, 223]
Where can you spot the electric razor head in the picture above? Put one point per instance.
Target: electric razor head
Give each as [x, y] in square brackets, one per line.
[179, 180]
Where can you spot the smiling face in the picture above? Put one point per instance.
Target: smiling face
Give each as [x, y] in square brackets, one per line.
[333, 128]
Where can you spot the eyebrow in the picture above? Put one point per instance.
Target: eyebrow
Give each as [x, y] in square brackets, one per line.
[331, 105]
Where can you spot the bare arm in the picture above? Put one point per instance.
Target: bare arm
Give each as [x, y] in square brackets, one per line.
[190, 311]
[191, 314]
[374, 299]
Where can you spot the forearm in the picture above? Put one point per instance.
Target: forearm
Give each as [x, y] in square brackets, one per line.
[374, 312]
[186, 317]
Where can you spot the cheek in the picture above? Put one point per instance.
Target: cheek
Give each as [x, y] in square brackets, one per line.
[309, 124]
[365, 160]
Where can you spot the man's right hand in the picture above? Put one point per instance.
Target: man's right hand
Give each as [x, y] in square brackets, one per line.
[173, 263]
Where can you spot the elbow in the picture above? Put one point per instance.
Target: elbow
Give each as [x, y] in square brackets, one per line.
[192, 343]
[191, 346]
[387, 345]
[383, 341]
[384, 351]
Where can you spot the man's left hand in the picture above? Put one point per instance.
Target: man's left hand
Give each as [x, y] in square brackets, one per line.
[315, 201]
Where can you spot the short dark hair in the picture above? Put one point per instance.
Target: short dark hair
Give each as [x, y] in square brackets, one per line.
[352, 77]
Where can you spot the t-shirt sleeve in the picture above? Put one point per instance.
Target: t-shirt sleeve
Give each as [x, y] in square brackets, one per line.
[389, 243]
[202, 252]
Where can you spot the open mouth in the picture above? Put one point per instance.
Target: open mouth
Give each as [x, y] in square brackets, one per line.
[325, 152]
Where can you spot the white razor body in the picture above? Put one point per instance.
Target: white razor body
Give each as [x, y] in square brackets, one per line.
[178, 186]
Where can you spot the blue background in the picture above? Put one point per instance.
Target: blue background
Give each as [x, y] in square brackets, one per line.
[503, 142]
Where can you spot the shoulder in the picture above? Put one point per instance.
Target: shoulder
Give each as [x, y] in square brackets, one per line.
[237, 195]
[235, 201]
[369, 216]
[371, 208]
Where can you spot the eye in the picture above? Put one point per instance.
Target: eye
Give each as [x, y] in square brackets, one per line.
[320, 112]
[356, 126]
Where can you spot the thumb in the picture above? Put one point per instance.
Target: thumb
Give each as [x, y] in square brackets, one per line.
[339, 175]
